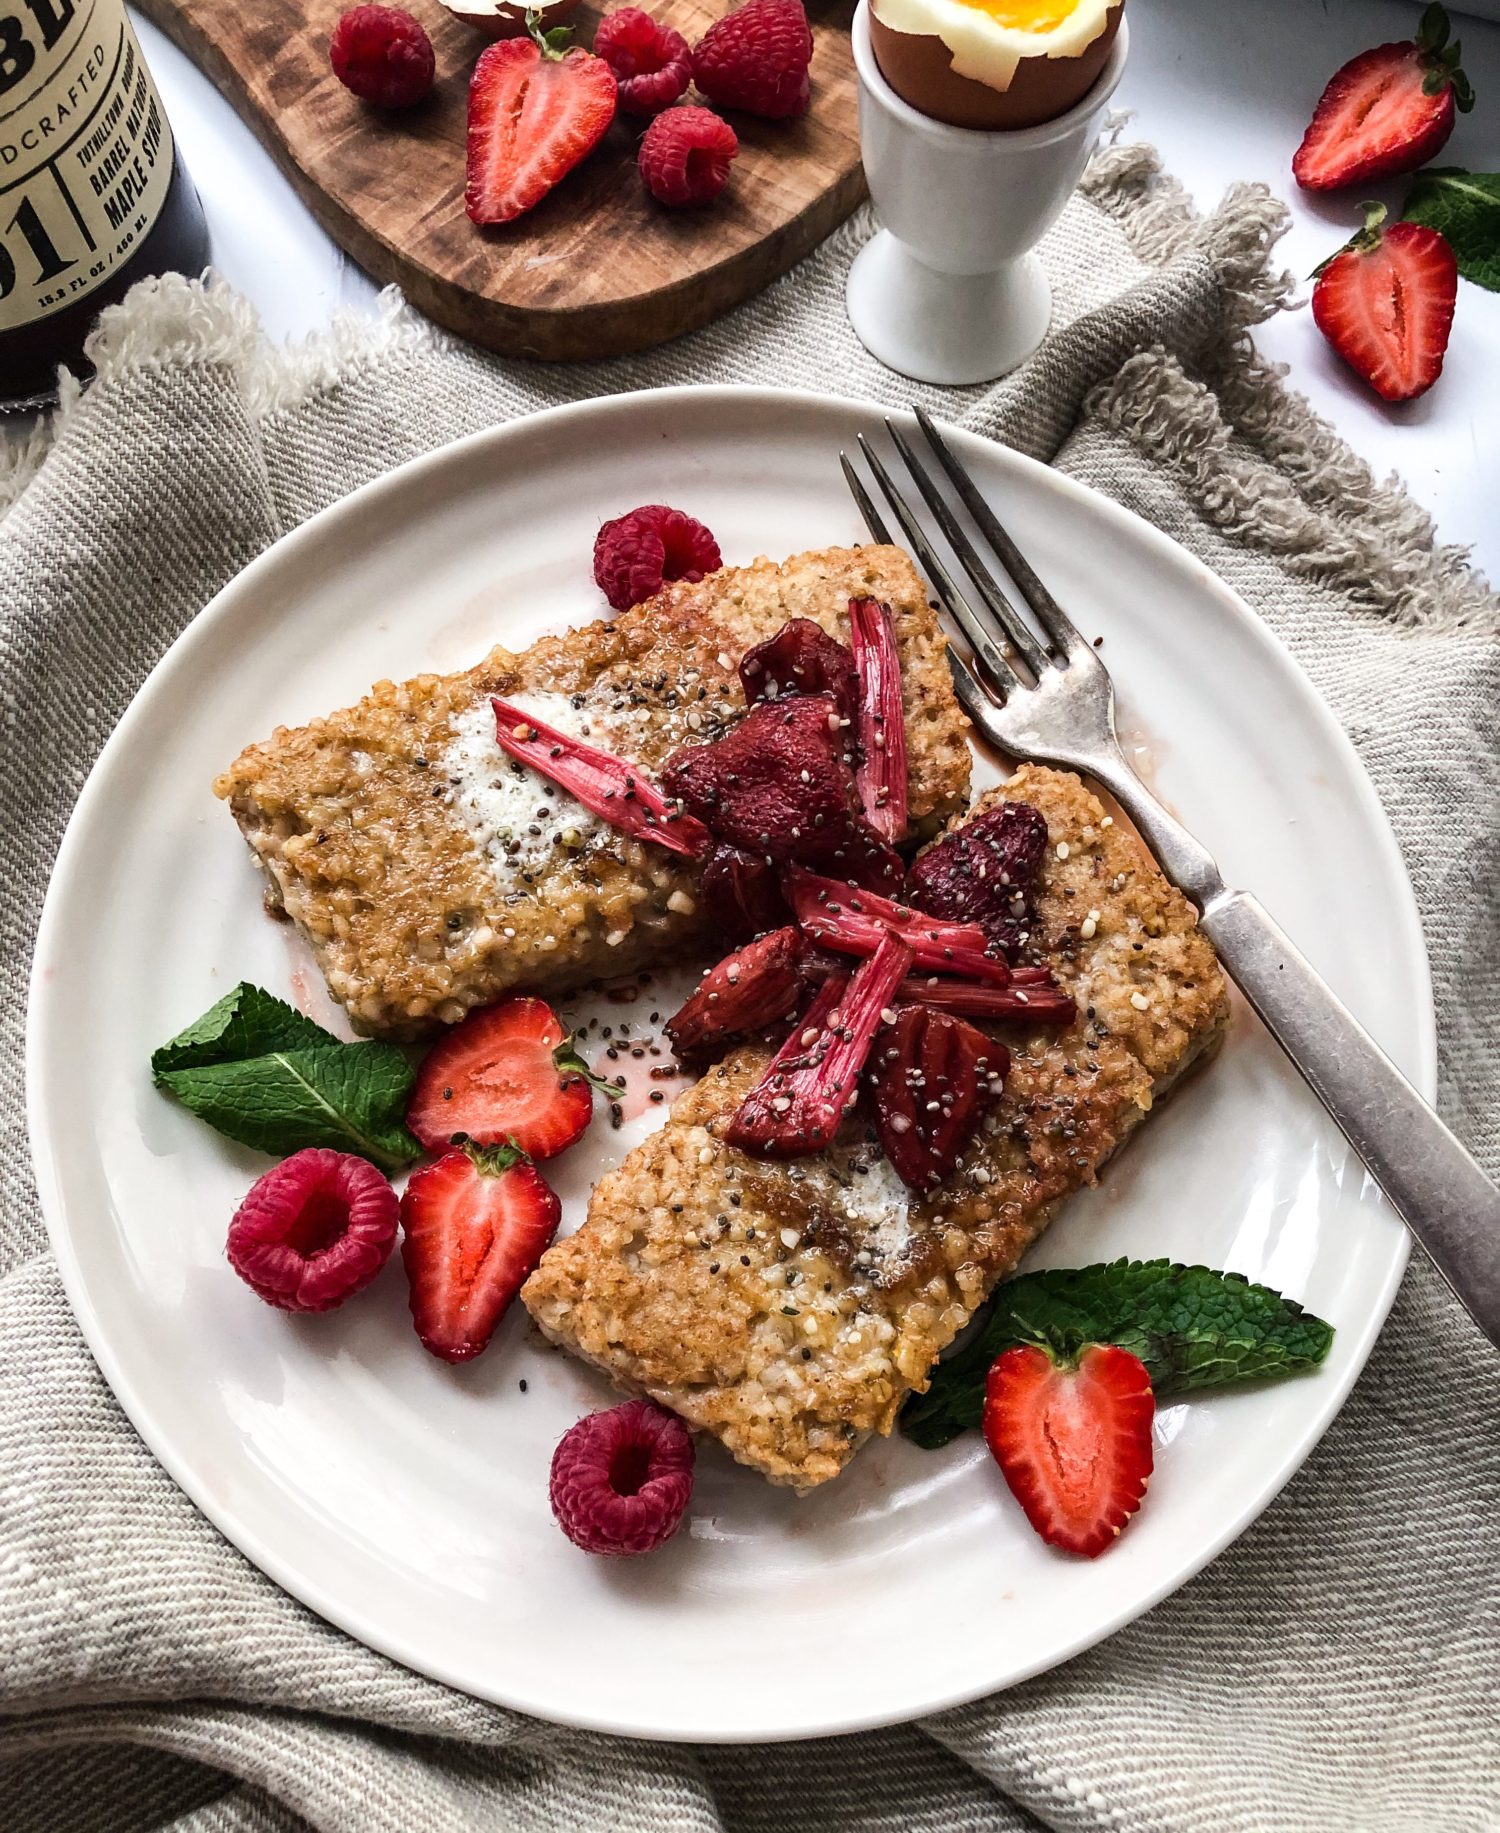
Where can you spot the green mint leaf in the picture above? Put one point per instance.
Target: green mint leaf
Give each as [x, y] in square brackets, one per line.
[1191, 1326]
[245, 1023]
[254, 1068]
[1464, 207]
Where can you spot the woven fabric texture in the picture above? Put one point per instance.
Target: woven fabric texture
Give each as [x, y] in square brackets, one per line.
[1332, 1671]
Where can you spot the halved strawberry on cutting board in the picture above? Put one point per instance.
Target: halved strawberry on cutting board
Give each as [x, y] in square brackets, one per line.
[1385, 302]
[1386, 111]
[535, 110]
[1073, 1440]
[508, 1072]
[473, 1226]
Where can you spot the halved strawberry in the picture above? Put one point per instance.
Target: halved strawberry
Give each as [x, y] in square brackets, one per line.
[473, 1226]
[509, 1071]
[535, 110]
[1073, 1439]
[1385, 111]
[1385, 302]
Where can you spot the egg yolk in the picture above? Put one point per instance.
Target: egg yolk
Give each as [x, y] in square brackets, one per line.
[1026, 15]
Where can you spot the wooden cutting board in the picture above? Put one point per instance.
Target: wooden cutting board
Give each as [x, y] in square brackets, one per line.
[596, 269]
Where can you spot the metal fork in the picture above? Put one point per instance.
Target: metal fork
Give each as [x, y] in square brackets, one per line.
[1050, 697]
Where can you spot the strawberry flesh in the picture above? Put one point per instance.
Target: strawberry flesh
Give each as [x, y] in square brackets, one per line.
[853, 922]
[618, 792]
[1386, 111]
[802, 658]
[881, 776]
[534, 113]
[985, 872]
[1386, 303]
[781, 787]
[745, 992]
[474, 1225]
[811, 1083]
[507, 1072]
[1074, 1442]
[931, 1079]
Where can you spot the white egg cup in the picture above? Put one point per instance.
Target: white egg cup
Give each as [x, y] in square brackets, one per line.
[950, 290]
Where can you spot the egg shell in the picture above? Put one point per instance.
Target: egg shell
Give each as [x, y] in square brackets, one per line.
[505, 21]
[919, 67]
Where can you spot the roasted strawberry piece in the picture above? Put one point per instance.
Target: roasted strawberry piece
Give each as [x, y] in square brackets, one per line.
[742, 893]
[1074, 1440]
[617, 791]
[852, 921]
[747, 991]
[881, 717]
[985, 872]
[473, 1225]
[811, 1083]
[781, 787]
[802, 658]
[509, 1071]
[931, 1077]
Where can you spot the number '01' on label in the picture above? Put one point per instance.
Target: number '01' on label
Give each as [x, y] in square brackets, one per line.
[85, 152]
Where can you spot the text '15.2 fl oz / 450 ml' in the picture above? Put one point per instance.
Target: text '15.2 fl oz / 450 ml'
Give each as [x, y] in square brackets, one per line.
[92, 196]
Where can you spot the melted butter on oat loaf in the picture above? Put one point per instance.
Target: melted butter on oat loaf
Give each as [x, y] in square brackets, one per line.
[754, 1300]
[367, 845]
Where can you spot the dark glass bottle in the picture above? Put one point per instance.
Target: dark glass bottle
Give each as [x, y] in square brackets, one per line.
[92, 194]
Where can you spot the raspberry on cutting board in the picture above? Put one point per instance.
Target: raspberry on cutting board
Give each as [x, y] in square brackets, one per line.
[685, 156]
[653, 64]
[383, 55]
[756, 58]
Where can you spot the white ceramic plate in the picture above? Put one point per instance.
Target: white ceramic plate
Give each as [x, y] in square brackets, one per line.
[406, 1500]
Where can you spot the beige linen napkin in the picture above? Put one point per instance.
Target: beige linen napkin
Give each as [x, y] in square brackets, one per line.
[1334, 1670]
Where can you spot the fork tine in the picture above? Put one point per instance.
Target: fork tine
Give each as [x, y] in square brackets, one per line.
[1002, 676]
[971, 695]
[878, 530]
[985, 583]
[1050, 614]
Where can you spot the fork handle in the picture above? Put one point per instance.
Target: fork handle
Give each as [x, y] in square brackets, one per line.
[1431, 1181]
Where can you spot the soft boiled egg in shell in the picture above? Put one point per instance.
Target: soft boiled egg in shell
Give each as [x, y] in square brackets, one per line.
[993, 63]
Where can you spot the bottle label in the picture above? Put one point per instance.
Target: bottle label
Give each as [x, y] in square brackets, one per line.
[85, 152]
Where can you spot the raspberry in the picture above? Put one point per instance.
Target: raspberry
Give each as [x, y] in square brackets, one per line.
[383, 55]
[314, 1230]
[756, 58]
[685, 156]
[636, 554]
[621, 1480]
[652, 64]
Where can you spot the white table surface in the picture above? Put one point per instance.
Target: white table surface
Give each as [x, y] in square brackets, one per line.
[1224, 91]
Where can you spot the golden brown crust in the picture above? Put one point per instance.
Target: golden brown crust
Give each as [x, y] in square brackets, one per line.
[677, 1285]
[353, 816]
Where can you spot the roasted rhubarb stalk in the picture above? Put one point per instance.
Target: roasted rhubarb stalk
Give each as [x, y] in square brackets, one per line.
[812, 1081]
[881, 775]
[853, 922]
[1031, 1003]
[616, 791]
